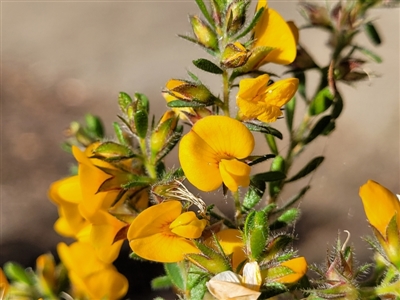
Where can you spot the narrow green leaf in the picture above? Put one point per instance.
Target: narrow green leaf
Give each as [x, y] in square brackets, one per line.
[270, 176]
[204, 11]
[272, 143]
[322, 101]
[143, 102]
[120, 134]
[182, 103]
[176, 275]
[208, 66]
[372, 33]
[256, 159]
[94, 125]
[124, 100]
[375, 57]
[251, 25]
[290, 108]
[318, 129]
[162, 282]
[311, 166]
[264, 128]
[141, 123]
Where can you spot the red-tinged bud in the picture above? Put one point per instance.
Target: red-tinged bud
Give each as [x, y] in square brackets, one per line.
[235, 55]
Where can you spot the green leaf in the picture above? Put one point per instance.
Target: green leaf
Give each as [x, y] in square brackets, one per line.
[124, 100]
[272, 144]
[322, 101]
[120, 134]
[251, 25]
[208, 66]
[264, 128]
[372, 33]
[17, 273]
[162, 282]
[177, 274]
[141, 123]
[204, 11]
[269, 176]
[183, 103]
[254, 194]
[290, 108]
[318, 129]
[311, 166]
[94, 125]
[257, 235]
[375, 57]
[142, 102]
[337, 106]
[256, 159]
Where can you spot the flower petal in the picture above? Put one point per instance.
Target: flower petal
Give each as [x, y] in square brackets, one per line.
[380, 205]
[280, 92]
[234, 173]
[249, 88]
[187, 225]
[298, 266]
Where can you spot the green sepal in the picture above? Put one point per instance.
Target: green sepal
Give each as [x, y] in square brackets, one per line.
[372, 33]
[160, 283]
[393, 242]
[272, 143]
[263, 128]
[269, 176]
[176, 272]
[322, 101]
[256, 236]
[204, 11]
[288, 217]
[120, 133]
[142, 102]
[251, 25]
[290, 108]
[94, 126]
[275, 245]
[183, 103]
[207, 66]
[375, 57]
[141, 123]
[112, 150]
[278, 165]
[256, 159]
[254, 194]
[16, 272]
[311, 166]
[170, 143]
[318, 128]
[210, 260]
[124, 101]
[137, 181]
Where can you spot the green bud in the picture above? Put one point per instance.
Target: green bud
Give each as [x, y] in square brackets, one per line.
[165, 128]
[236, 16]
[204, 33]
[235, 55]
[189, 91]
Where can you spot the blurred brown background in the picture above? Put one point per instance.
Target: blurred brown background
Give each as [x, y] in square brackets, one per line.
[61, 60]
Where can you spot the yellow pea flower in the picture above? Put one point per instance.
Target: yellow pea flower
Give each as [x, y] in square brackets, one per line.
[162, 232]
[90, 277]
[257, 100]
[209, 153]
[273, 31]
[380, 206]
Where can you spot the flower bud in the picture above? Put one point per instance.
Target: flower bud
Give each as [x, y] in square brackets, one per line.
[204, 34]
[317, 15]
[163, 131]
[46, 270]
[188, 91]
[235, 16]
[287, 272]
[235, 55]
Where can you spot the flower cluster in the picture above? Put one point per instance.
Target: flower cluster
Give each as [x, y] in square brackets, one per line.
[122, 191]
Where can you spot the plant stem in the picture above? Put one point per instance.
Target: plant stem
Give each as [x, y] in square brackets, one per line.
[226, 91]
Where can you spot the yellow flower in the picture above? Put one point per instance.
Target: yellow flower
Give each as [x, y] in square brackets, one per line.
[90, 277]
[209, 153]
[257, 100]
[380, 206]
[273, 31]
[163, 233]
[230, 286]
